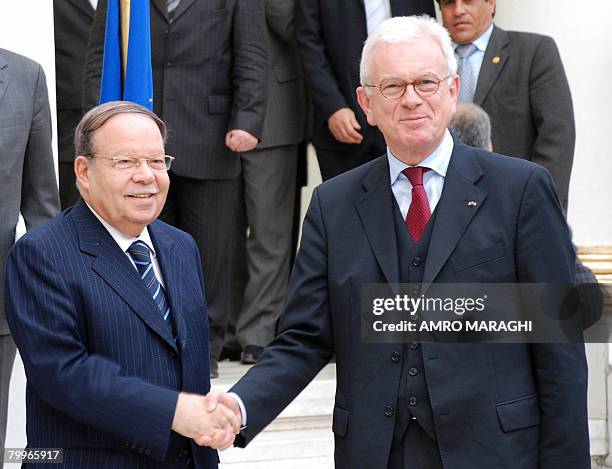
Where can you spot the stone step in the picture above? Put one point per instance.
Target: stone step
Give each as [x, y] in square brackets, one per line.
[290, 446]
[299, 438]
[313, 406]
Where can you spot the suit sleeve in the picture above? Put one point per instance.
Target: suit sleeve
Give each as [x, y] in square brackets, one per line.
[545, 254]
[39, 193]
[250, 67]
[92, 72]
[304, 344]
[318, 73]
[553, 115]
[46, 325]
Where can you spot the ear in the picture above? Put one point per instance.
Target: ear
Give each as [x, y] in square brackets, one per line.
[453, 87]
[82, 170]
[365, 102]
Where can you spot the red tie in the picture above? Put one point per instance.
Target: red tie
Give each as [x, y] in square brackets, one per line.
[418, 213]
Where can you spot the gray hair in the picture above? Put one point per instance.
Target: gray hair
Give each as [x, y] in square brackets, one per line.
[99, 115]
[403, 29]
[471, 125]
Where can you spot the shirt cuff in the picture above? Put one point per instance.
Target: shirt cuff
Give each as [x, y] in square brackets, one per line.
[236, 397]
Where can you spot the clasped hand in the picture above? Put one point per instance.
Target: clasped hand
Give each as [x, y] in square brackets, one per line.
[213, 420]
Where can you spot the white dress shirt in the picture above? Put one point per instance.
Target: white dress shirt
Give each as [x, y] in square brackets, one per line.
[433, 180]
[125, 242]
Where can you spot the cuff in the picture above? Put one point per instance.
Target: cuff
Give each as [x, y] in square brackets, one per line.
[238, 400]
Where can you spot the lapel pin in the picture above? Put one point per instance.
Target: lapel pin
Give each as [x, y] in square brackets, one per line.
[472, 203]
[496, 59]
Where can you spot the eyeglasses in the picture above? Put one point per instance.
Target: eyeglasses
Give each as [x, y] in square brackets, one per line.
[128, 163]
[394, 88]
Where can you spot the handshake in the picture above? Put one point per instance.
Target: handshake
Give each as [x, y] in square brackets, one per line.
[213, 420]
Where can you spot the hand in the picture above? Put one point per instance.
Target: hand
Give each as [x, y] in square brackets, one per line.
[213, 400]
[240, 140]
[344, 126]
[193, 420]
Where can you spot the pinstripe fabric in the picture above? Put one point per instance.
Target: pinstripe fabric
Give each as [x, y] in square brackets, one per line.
[209, 76]
[103, 369]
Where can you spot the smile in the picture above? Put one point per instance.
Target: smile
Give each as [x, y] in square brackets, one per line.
[141, 196]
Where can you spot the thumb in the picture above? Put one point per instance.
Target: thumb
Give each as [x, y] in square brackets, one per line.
[211, 400]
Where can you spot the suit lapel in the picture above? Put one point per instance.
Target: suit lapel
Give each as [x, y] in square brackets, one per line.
[376, 213]
[84, 6]
[162, 6]
[496, 56]
[4, 77]
[182, 7]
[113, 266]
[170, 265]
[459, 203]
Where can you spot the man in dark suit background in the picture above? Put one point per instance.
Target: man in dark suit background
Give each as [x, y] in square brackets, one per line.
[330, 36]
[519, 80]
[108, 311]
[28, 177]
[72, 20]
[268, 181]
[209, 85]
[430, 211]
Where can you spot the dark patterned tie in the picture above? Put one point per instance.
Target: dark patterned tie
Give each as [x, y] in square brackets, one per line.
[142, 258]
[418, 213]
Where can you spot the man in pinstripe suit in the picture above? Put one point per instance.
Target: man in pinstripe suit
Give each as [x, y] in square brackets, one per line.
[108, 311]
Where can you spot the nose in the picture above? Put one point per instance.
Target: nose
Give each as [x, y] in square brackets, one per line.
[459, 8]
[143, 173]
[411, 98]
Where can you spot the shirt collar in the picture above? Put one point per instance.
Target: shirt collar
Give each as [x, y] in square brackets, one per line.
[437, 161]
[483, 41]
[123, 240]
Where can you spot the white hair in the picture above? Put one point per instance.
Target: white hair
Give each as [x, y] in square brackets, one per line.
[403, 29]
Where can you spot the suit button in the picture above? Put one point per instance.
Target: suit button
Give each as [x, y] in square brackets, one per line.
[166, 32]
[412, 400]
[389, 411]
[417, 261]
[412, 371]
[182, 454]
[133, 447]
[169, 64]
[147, 452]
[414, 345]
[395, 356]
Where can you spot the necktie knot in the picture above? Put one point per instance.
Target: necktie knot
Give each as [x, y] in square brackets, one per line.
[465, 51]
[415, 175]
[141, 254]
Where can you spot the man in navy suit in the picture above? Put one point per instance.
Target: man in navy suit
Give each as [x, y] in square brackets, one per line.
[431, 210]
[108, 311]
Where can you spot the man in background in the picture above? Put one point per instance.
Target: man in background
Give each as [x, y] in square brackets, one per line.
[330, 37]
[268, 189]
[28, 177]
[72, 20]
[519, 80]
[471, 125]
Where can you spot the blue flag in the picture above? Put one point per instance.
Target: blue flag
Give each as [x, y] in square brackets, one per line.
[126, 69]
